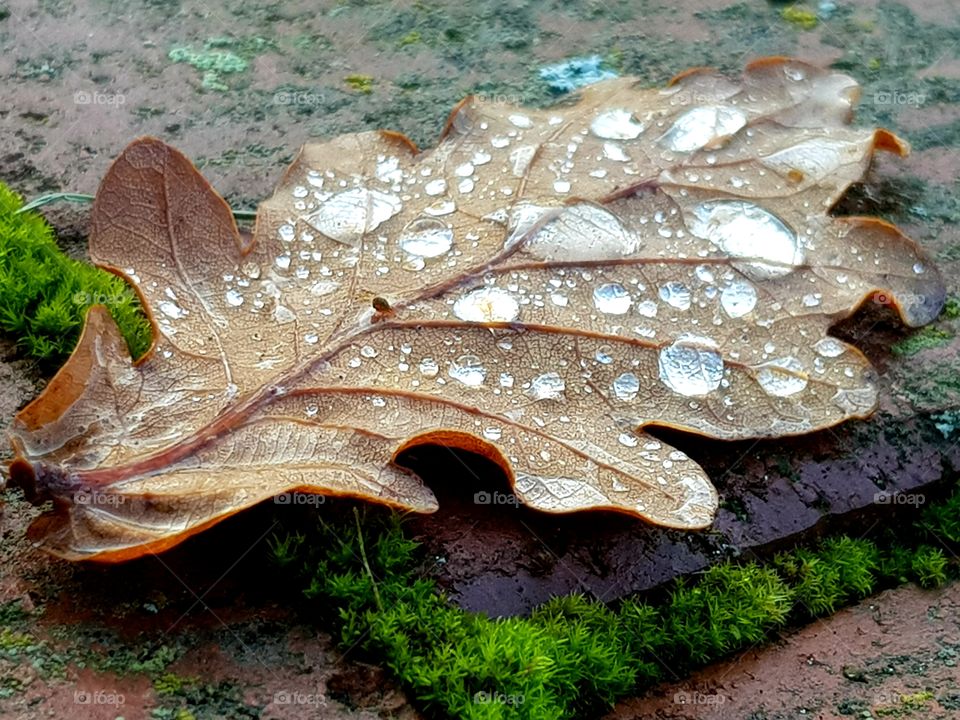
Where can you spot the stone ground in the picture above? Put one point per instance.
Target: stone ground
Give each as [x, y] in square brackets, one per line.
[78, 80]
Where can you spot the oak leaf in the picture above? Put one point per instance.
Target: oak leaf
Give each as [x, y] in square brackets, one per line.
[541, 288]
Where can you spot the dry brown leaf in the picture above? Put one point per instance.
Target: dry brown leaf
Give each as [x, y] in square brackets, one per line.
[539, 288]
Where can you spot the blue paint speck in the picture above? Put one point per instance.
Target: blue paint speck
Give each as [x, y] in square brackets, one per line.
[575, 73]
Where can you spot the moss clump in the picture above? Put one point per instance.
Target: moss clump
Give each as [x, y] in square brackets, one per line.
[804, 19]
[219, 57]
[843, 569]
[187, 698]
[411, 38]
[170, 684]
[951, 310]
[575, 656]
[44, 295]
[924, 339]
[941, 522]
[360, 83]
[929, 565]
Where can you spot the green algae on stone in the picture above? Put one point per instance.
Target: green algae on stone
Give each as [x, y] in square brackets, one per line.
[804, 19]
[361, 83]
[932, 386]
[220, 56]
[923, 339]
[411, 38]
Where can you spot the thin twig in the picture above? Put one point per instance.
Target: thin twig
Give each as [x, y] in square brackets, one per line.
[366, 563]
[84, 198]
[55, 197]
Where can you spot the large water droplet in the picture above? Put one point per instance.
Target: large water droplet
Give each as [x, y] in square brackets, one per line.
[676, 294]
[435, 187]
[549, 386]
[626, 386]
[429, 368]
[441, 208]
[700, 126]
[830, 347]
[521, 158]
[172, 310]
[388, 170]
[521, 121]
[746, 231]
[816, 159]
[348, 216]
[782, 377]
[616, 124]
[468, 369]
[612, 298]
[647, 308]
[426, 237]
[582, 233]
[691, 366]
[492, 433]
[487, 304]
[612, 151]
[738, 298]
[628, 439]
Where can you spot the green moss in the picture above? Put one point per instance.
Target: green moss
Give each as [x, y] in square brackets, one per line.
[411, 38]
[170, 684]
[938, 386]
[219, 57]
[360, 83]
[951, 310]
[12, 643]
[941, 521]
[44, 295]
[574, 656]
[217, 61]
[930, 566]
[150, 659]
[19, 646]
[183, 698]
[923, 339]
[800, 17]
